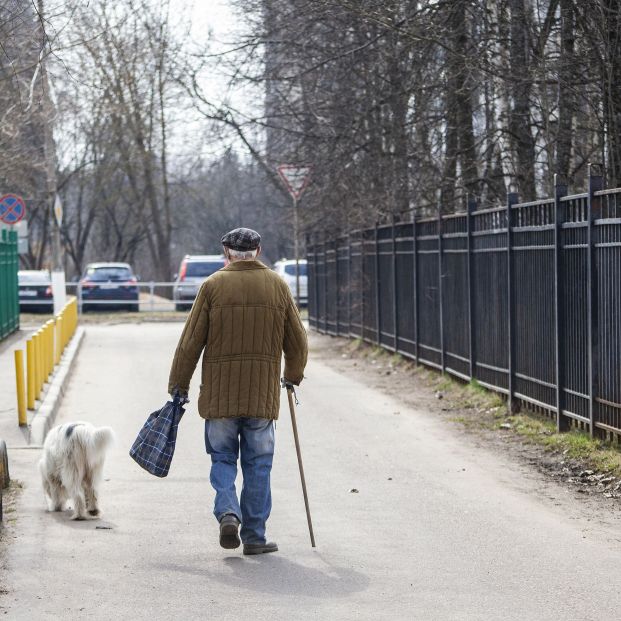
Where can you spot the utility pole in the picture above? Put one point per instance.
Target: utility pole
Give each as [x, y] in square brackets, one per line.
[47, 108]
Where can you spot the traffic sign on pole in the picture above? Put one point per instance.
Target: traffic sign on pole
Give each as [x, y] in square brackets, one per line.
[295, 177]
[12, 208]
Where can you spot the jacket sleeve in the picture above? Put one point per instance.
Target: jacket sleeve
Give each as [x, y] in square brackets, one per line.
[295, 345]
[191, 344]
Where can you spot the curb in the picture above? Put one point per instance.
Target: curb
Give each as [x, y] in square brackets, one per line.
[44, 417]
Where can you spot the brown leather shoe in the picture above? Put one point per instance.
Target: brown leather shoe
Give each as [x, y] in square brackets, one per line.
[260, 548]
[229, 537]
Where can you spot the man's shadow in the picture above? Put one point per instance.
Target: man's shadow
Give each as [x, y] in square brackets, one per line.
[275, 574]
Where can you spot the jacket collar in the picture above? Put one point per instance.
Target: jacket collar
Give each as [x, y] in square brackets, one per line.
[250, 264]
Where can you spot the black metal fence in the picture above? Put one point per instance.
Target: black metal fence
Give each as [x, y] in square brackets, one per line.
[524, 298]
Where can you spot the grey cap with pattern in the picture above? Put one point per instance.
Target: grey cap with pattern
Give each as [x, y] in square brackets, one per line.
[241, 239]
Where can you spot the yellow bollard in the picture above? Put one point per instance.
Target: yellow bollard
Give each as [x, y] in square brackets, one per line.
[46, 348]
[58, 338]
[40, 359]
[51, 352]
[19, 383]
[50, 347]
[44, 364]
[43, 349]
[67, 322]
[35, 363]
[30, 374]
[41, 379]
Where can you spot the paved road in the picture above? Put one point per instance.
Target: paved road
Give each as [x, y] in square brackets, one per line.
[439, 529]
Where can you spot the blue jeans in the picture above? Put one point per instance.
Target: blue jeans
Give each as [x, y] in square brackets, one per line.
[252, 439]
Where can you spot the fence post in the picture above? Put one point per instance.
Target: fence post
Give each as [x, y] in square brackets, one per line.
[562, 421]
[378, 318]
[310, 291]
[315, 308]
[512, 199]
[4, 250]
[5, 311]
[310, 294]
[14, 288]
[316, 279]
[395, 308]
[415, 283]
[596, 183]
[325, 282]
[440, 296]
[362, 284]
[338, 287]
[349, 283]
[471, 206]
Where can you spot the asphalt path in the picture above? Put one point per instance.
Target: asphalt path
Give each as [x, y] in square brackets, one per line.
[437, 529]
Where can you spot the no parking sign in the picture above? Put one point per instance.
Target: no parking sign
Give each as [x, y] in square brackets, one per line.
[12, 208]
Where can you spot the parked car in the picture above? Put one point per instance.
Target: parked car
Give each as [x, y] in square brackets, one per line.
[285, 268]
[193, 271]
[35, 291]
[106, 286]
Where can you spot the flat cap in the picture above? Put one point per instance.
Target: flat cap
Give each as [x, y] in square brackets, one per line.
[241, 239]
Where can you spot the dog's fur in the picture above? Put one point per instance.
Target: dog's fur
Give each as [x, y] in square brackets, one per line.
[71, 467]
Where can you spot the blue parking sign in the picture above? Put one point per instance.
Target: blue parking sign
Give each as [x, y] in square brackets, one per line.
[12, 208]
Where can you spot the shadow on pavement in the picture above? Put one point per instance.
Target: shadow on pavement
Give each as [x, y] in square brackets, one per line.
[64, 518]
[272, 573]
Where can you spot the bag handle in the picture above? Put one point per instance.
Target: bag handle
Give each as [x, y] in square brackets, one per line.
[179, 399]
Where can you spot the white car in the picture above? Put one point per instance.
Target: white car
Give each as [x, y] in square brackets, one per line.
[285, 268]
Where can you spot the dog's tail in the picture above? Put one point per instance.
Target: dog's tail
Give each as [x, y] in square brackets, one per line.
[95, 441]
[103, 438]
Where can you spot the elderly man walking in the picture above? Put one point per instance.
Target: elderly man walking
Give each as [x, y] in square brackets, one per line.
[243, 319]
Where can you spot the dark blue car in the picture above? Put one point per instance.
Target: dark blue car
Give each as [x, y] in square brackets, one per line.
[107, 286]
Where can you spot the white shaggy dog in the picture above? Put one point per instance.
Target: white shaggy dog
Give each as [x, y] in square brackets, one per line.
[71, 467]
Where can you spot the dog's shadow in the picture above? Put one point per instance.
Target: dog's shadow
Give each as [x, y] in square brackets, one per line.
[64, 518]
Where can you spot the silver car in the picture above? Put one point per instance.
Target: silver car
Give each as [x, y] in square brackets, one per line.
[193, 271]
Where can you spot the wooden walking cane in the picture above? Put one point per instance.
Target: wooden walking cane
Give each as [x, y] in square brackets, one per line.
[291, 395]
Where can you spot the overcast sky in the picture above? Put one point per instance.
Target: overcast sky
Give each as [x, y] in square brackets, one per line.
[215, 22]
[216, 15]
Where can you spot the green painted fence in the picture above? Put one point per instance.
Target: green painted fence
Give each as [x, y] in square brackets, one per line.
[9, 299]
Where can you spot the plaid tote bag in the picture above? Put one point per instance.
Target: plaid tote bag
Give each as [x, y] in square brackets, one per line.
[154, 447]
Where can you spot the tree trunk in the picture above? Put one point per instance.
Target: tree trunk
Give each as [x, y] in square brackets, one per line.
[521, 85]
[611, 14]
[460, 144]
[566, 102]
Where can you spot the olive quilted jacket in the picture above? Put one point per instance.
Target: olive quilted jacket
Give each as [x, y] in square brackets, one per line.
[244, 318]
